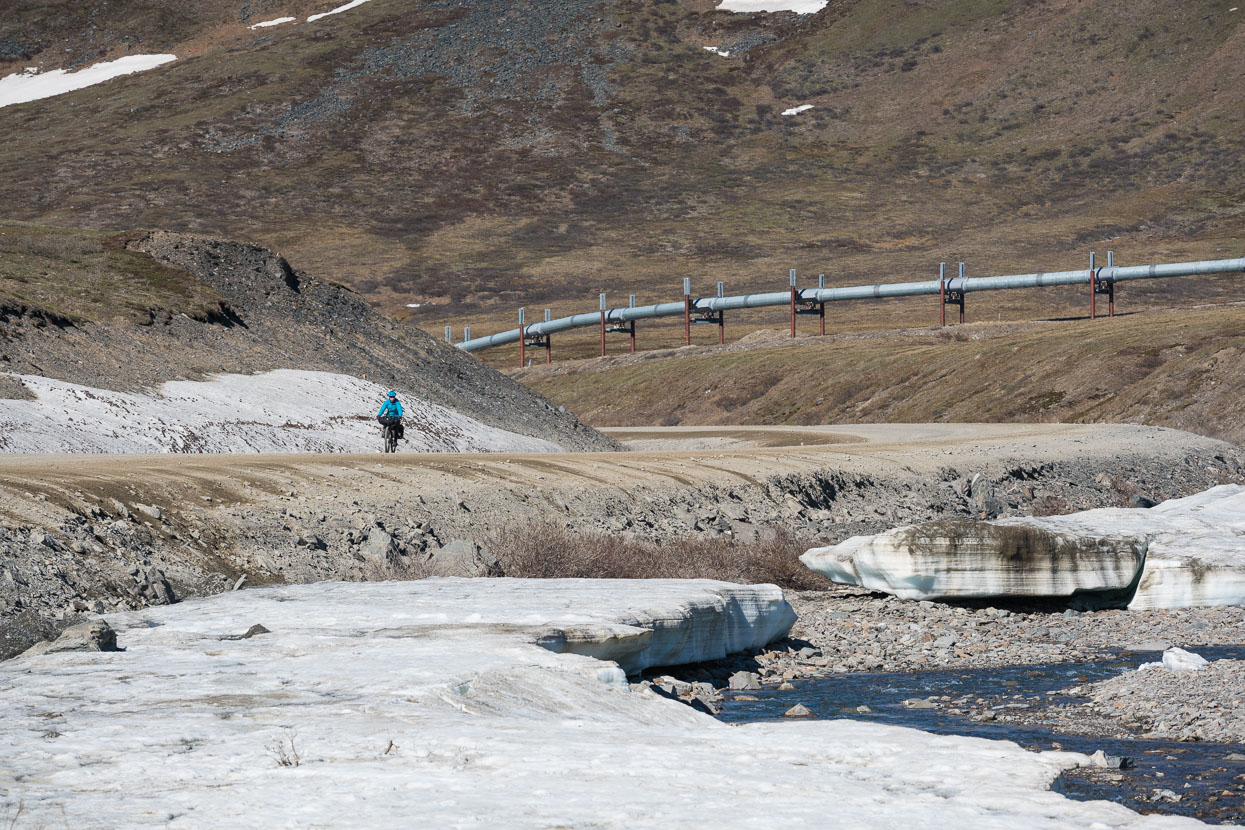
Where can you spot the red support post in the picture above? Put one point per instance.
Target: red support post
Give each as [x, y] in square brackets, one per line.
[522, 349]
[633, 336]
[821, 317]
[548, 349]
[721, 327]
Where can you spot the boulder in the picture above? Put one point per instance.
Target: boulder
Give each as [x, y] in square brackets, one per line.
[96, 635]
[379, 546]
[462, 557]
[743, 681]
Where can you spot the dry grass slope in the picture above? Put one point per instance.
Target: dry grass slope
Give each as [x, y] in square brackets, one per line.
[484, 157]
[1179, 368]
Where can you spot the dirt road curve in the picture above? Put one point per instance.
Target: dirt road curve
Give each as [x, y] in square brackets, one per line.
[105, 532]
[681, 455]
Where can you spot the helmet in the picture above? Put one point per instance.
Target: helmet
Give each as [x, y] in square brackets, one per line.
[393, 394]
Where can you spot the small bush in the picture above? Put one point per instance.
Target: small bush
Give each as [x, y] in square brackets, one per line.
[543, 550]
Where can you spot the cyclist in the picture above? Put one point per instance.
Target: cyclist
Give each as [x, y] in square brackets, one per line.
[391, 414]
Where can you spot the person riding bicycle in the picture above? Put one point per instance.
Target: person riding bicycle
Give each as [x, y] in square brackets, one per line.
[391, 414]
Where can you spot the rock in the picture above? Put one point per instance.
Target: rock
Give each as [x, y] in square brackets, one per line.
[1234, 756]
[743, 681]
[150, 510]
[798, 711]
[1102, 759]
[919, 703]
[379, 546]
[462, 557]
[1148, 645]
[785, 687]
[706, 705]
[96, 635]
[253, 631]
[863, 710]
[155, 588]
[945, 641]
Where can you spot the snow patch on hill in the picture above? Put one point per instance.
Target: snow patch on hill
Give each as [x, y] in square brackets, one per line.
[33, 85]
[347, 7]
[275, 22]
[797, 6]
[281, 411]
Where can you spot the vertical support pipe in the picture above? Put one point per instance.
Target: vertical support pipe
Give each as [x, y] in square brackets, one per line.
[1093, 287]
[687, 312]
[942, 295]
[548, 339]
[602, 325]
[721, 317]
[962, 293]
[466, 332]
[1111, 286]
[522, 341]
[631, 304]
[821, 307]
[449, 334]
[792, 279]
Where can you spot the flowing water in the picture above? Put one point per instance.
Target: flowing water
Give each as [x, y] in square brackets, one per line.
[1196, 772]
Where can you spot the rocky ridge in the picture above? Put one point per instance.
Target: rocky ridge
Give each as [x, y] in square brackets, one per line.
[274, 316]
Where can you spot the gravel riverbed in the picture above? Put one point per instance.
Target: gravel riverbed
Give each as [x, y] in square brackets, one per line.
[849, 629]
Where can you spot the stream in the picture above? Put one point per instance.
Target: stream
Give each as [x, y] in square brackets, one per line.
[1195, 772]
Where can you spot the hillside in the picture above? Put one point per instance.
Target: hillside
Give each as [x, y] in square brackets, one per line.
[1183, 369]
[455, 160]
[127, 312]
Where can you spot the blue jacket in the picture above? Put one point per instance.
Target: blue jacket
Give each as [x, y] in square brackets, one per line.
[393, 408]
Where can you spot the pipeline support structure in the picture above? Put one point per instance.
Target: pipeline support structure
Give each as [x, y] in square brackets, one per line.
[1101, 280]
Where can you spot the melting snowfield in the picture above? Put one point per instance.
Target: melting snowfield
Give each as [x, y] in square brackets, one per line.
[1179, 554]
[33, 85]
[281, 411]
[431, 703]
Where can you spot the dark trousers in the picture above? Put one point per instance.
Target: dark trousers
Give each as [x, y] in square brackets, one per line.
[393, 421]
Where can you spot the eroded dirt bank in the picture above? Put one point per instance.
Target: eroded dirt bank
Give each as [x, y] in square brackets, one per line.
[98, 533]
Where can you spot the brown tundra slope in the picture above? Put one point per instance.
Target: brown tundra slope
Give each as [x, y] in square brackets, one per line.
[472, 156]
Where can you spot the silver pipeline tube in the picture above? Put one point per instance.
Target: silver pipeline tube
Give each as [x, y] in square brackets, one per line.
[1109, 274]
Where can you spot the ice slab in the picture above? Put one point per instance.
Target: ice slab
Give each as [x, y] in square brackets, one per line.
[33, 85]
[429, 704]
[1182, 553]
[281, 411]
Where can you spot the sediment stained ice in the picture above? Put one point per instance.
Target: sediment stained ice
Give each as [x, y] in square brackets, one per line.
[1182, 553]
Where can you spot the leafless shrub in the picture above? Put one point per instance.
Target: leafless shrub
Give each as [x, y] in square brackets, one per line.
[1051, 506]
[543, 550]
[397, 567]
[283, 750]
